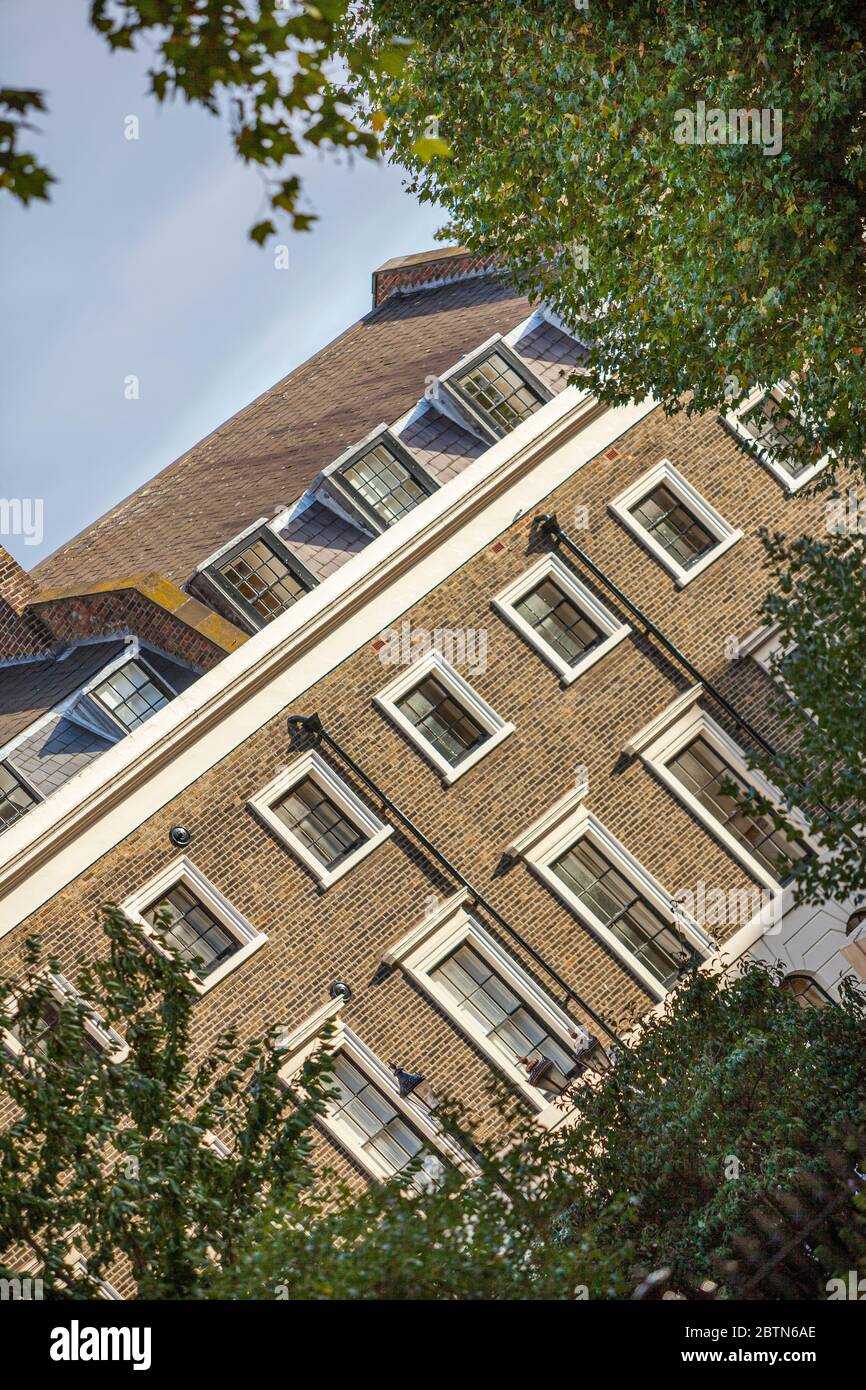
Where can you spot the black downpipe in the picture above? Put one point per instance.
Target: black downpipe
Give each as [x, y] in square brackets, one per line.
[312, 725]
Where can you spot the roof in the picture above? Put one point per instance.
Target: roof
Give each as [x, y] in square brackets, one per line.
[29, 689]
[266, 455]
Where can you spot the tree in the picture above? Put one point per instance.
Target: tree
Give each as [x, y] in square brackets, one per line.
[115, 1156]
[718, 1103]
[686, 185]
[708, 254]
[719, 1100]
[818, 605]
[271, 68]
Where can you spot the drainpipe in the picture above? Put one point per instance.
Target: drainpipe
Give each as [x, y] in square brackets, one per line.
[312, 725]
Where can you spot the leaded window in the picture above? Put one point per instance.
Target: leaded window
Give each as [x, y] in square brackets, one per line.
[593, 880]
[131, 694]
[15, 798]
[702, 772]
[500, 392]
[387, 485]
[262, 580]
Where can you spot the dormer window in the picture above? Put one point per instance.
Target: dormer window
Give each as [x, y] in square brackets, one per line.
[131, 694]
[498, 388]
[384, 480]
[16, 798]
[261, 577]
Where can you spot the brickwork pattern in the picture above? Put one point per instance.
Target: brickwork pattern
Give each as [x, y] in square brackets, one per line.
[316, 936]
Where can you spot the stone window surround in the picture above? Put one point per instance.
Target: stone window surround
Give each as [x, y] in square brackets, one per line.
[733, 420]
[441, 932]
[312, 765]
[664, 472]
[434, 664]
[182, 872]
[106, 1037]
[305, 1040]
[671, 731]
[551, 567]
[559, 830]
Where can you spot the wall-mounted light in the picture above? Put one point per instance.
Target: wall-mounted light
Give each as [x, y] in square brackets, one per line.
[179, 836]
[413, 1083]
[340, 990]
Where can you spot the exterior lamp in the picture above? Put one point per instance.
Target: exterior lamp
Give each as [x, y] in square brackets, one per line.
[590, 1054]
[414, 1083]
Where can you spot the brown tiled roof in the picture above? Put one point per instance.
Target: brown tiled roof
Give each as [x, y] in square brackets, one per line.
[270, 451]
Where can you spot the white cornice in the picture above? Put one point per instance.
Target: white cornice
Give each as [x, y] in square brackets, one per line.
[130, 782]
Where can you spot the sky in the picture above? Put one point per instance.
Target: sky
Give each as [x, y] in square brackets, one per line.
[140, 266]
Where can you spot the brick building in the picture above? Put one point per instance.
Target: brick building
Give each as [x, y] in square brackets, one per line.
[367, 543]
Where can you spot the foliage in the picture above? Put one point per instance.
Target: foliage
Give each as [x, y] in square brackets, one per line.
[112, 1154]
[818, 602]
[726, 1093]
[272, 68]
[709, 268]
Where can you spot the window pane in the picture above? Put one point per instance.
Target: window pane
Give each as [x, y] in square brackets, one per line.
[673, 526]
[131, 695]
[702, 772]
[774, 427]
[555, 618]
[319, 824]
[385, 484]
[631, 919]
[15, 799]
[500, 391]
[263, 580]
[512, 1028]
[434, 712]
[375, 1122]
[199, 939]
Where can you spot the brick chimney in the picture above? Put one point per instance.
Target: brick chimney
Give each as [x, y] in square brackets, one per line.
[21, 633]
[427, 269]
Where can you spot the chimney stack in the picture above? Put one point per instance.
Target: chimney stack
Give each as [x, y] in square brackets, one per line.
[427, 270]
[21, 633]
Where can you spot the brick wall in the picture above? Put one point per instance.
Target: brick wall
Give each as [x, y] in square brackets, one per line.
[316, 936]
[126, 610]
[417, 273]
[21, 633]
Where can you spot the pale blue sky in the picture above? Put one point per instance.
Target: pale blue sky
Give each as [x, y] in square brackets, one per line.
[141, 265]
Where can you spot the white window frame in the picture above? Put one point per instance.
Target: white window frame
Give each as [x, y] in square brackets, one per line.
[551, 567]
[108, 1039]
[311, 765]
[555, 834]
[441, 932]
[661, 742]
[306, 1040]
[433, 663]
[183, 873]
[703, 511]
[734, 421]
